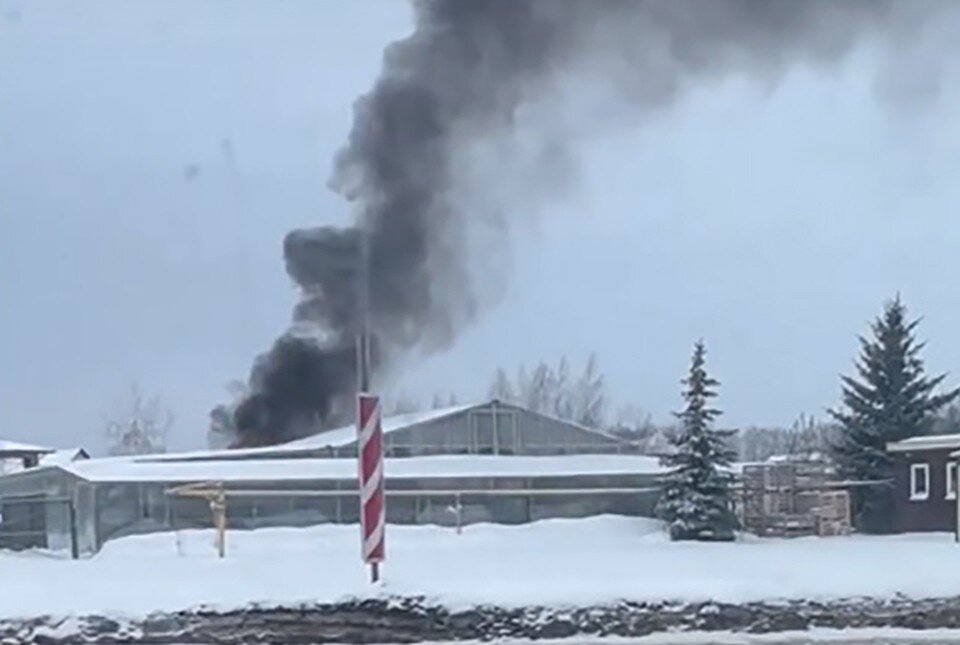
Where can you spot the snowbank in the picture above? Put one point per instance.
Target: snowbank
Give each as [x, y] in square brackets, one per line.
[878, 635]
[552, 563]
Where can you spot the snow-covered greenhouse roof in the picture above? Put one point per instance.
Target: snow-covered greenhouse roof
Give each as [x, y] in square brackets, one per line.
[17, 449]
[347, 435]
[289, 461]
[140, 469]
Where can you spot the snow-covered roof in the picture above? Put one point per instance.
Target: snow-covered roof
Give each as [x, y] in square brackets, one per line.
[138, 469]
[556, 419]
[335, 438]
[17, 447]
[348, 434]
[63, 456]
[807, 457]
[286, 462]
[928, 442]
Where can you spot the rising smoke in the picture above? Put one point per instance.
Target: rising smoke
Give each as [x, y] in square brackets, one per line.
[464, 77]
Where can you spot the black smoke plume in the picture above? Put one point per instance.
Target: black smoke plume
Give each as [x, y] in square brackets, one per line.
[465, 76]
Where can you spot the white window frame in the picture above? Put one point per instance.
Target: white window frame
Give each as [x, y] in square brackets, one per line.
[915, 474]
[951, 480]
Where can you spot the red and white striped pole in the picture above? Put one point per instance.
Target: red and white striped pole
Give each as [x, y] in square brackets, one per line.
[370, 458]
[369, 433]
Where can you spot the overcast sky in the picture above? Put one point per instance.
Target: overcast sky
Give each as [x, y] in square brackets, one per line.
[153, 155]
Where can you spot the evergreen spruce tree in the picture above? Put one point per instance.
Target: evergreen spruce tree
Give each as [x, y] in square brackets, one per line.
[891, 400]
[697, 500]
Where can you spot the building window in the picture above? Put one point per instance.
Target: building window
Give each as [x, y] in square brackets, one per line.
[919, 482]
[951, 480]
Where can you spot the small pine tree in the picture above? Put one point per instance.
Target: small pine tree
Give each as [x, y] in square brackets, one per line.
[892, 400]
[697, 500]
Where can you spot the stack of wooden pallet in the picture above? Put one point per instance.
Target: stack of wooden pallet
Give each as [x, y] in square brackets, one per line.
[833, 513]
[789, 498]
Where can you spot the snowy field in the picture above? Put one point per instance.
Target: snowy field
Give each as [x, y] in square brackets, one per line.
[555, 563]
[866, 636]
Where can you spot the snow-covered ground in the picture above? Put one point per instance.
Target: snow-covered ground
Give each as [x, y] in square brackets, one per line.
[863, 636]
[554, 562]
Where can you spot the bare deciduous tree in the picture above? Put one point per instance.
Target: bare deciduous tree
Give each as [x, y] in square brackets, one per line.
[501, 388]
[402, 403]
[139, 426]
[589, 403]
[550, 390]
